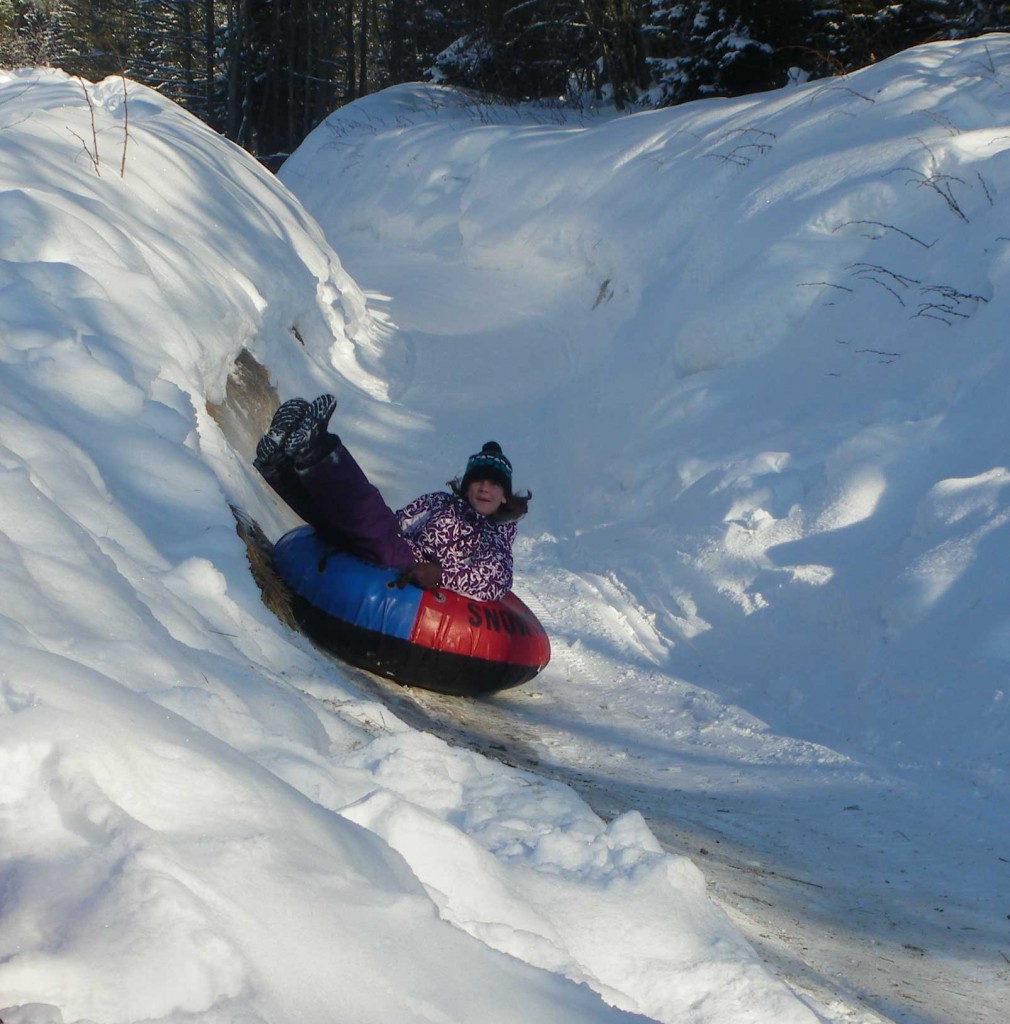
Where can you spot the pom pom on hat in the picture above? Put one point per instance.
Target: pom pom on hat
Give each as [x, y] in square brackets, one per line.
[488, 464]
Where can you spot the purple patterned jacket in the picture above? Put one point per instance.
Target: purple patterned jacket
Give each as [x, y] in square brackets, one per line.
[475, 553]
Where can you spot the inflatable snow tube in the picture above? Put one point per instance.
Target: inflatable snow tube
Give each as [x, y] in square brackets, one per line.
[434, 639]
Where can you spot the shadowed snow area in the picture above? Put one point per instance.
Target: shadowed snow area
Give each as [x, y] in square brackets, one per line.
[749, 357]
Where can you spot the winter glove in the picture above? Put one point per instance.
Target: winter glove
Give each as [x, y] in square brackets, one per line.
[426, 575]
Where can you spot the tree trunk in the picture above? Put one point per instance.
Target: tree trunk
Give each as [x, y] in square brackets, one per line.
[363, 48]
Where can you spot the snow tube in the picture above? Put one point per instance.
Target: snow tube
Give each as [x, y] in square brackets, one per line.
[434, 639]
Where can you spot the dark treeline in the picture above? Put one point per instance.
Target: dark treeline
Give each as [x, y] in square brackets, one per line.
[265, 72]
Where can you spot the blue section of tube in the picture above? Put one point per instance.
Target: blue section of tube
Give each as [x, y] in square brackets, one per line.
[345, 587]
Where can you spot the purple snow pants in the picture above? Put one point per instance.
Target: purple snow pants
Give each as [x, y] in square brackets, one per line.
[336, 498]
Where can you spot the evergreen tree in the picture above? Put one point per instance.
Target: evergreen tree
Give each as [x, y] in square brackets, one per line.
[413, 33]
[265, 72]
[29, 31]
[723, 47]
[549, 48]
[977, 16]
[855, 33]
[173, 51]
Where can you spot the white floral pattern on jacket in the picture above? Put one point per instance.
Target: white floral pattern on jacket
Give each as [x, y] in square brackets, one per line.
[475, 553]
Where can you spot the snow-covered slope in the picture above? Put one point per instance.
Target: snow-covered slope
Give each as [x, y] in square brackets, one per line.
[750, 357]
[201, 819]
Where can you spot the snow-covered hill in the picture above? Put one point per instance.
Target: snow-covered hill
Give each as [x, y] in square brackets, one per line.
[750, 357]
[747, 354]
[183, 782]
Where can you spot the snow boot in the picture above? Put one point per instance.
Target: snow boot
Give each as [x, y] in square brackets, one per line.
[310, 433]
[272, 445]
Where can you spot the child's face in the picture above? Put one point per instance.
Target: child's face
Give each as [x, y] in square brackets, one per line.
[485, 496]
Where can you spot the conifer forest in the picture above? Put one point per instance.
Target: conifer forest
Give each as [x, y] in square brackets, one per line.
[266, 72]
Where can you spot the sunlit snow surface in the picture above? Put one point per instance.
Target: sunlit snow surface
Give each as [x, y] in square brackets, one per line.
[749, 357]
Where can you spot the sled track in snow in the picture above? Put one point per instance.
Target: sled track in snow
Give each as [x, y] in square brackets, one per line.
[831, 942]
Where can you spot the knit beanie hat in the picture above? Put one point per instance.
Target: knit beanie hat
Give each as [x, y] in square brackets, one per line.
[488, 464]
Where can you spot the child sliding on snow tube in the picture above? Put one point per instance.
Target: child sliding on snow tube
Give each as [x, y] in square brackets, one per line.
[461, 540]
